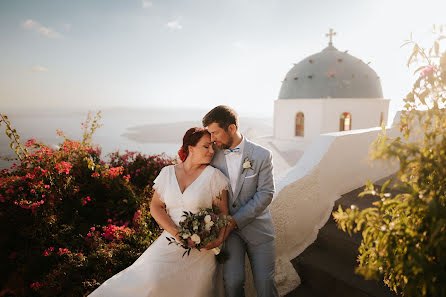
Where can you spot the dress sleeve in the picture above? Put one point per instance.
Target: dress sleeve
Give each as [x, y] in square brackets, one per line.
[161, 181]
[219, 182]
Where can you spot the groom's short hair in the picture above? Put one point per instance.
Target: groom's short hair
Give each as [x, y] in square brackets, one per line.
[222, 115]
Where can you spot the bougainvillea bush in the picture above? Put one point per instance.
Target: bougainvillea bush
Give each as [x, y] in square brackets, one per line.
[68, 219]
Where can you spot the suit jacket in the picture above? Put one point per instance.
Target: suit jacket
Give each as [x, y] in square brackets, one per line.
[249, 203]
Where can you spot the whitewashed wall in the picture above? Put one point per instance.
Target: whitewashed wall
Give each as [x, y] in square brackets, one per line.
[322, 115]
[332, 165]
[285, 111]
[365, 113]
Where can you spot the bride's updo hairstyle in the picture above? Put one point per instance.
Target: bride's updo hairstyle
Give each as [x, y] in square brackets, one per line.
[191, 137]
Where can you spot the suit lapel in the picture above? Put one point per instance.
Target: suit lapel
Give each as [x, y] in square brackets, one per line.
[247, 153]
[221, 161]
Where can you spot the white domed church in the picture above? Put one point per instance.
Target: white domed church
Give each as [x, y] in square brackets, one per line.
[327, 92]
[327, 115]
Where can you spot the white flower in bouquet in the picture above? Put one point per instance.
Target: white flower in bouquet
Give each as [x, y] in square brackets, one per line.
[195, 238]
[208, 225]
[216, 250]
[199, 229]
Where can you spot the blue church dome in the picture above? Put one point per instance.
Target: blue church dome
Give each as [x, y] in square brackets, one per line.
[331, 74]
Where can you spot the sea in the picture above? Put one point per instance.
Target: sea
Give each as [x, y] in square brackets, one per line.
[112, 136]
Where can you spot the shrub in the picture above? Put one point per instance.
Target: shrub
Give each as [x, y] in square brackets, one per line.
[70, 219]
[404, 238]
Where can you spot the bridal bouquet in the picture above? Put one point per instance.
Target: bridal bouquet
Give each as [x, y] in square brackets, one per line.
[199, 229]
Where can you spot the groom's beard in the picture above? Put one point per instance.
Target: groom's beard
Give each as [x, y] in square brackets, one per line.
[225, 146]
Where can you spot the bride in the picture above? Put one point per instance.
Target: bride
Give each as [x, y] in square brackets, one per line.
[162, 270]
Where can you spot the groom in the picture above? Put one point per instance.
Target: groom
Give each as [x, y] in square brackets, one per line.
[250, 171]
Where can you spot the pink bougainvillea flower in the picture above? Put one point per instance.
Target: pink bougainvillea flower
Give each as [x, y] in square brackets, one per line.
[35, 285]
[127, 177]
[31, 142]
[112, 232]
[113, 172]
[428, 70]
[63, 251]
[85, 200]
[48, 251]
[63, 167]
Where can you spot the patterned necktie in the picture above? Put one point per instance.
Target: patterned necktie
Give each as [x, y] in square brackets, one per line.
[234, 150]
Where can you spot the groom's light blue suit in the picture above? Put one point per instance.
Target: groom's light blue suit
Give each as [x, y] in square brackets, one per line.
[249, 206]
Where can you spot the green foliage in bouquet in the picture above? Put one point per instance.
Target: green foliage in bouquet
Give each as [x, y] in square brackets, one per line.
[199, 229]
[70, 220]
[404, 236]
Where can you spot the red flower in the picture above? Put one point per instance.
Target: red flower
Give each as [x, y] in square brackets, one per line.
[85, 200]
[48, 251]
[35, 285]
[31, 142]
[63, 251]
[63, 167]
[112, 232]
[114, 172]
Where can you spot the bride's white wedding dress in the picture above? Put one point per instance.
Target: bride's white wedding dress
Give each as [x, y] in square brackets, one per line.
[161, 270]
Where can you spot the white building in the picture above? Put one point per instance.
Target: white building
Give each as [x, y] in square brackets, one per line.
[328, 113]
[327, 92]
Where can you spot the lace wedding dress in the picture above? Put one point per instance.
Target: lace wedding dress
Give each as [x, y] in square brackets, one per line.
[161, 270]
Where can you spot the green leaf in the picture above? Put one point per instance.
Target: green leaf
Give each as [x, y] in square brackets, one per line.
[385, 185]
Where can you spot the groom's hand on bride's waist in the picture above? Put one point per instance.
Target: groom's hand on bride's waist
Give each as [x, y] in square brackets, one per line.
[232, 226]
[213, 244]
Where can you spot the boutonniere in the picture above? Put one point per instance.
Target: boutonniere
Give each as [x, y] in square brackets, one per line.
[247, 164]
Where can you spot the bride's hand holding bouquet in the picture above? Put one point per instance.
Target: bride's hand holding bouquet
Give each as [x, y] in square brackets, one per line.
[202, 230]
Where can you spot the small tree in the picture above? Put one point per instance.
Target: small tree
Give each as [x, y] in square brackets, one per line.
[404, 238]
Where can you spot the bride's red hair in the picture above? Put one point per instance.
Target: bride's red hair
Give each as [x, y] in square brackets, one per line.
[191, 138]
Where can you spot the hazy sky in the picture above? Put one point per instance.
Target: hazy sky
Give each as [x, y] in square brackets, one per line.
[192, 53]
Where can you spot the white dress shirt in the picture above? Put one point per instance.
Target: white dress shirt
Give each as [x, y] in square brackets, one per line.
[234, 163]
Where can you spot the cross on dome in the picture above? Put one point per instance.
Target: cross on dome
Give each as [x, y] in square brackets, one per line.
[330, 35]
